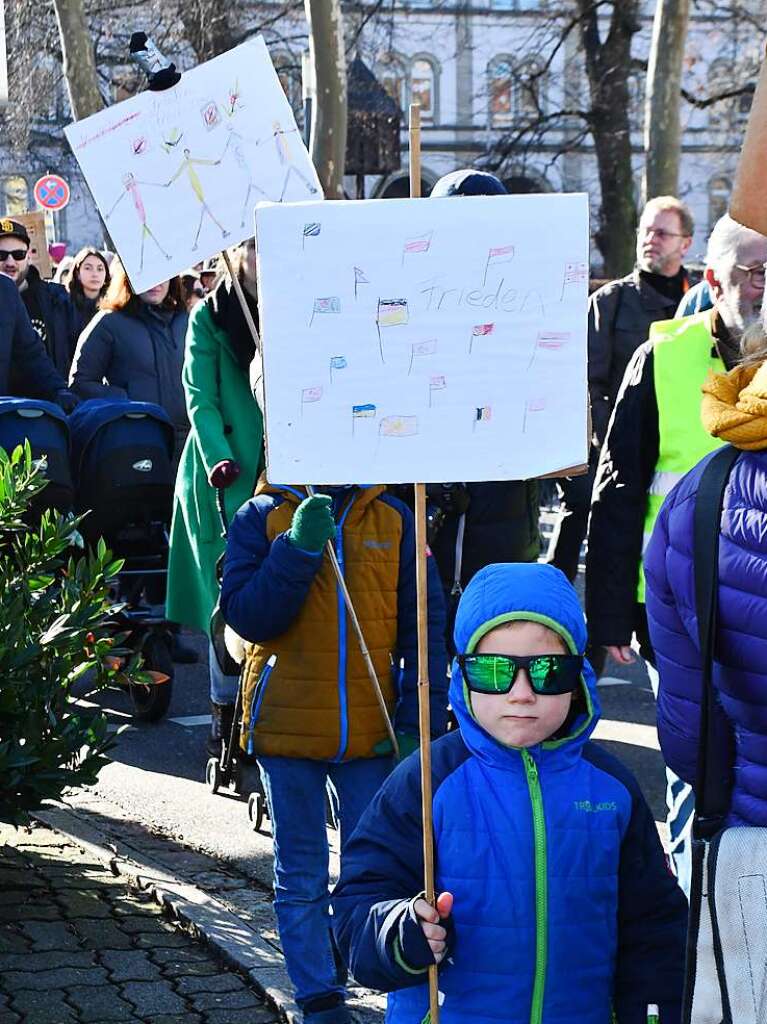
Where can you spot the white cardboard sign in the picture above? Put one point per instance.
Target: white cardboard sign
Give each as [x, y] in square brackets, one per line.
[176, 173]
[424, 339]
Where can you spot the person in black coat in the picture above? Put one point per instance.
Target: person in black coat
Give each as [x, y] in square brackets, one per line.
[48, 304]
[21, 348]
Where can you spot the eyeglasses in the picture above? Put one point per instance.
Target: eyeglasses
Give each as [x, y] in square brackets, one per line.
[549, 674]
[756, 275]
[661, 233]
[13, 254]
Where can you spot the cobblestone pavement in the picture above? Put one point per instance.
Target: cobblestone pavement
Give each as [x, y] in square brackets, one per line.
[78, 947]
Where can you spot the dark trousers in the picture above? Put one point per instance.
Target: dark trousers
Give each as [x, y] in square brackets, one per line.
[572, 521]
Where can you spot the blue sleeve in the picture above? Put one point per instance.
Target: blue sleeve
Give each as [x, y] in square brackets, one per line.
[406, 716]
[381, 876]
[35, 368]
[264, 585]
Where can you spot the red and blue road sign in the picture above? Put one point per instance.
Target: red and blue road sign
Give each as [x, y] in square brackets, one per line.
[51, 192]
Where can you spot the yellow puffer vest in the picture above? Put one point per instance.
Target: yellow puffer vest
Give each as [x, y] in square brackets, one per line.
[307, 693]
[683, 354]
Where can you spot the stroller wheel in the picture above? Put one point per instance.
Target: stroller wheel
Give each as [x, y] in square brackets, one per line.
[150, 703]
[213, 774]
[256, 810]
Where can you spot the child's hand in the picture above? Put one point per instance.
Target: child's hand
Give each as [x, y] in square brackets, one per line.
[430, 918]
[313, 524]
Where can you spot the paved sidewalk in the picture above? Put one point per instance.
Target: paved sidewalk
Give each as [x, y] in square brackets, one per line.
[78, 947]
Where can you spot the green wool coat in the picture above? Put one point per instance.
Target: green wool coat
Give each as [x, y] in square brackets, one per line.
[226, 423]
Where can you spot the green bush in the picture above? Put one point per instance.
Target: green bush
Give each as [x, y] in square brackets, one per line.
[54, 600]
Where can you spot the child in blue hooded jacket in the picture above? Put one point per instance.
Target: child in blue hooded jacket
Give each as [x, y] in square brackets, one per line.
[556, 904]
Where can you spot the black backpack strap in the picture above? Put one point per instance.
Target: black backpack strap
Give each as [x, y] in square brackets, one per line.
[712, 790]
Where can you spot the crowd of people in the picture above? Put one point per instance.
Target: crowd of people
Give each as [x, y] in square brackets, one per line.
[554, 895]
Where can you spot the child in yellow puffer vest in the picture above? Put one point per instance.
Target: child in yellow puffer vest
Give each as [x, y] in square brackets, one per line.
[309, 710]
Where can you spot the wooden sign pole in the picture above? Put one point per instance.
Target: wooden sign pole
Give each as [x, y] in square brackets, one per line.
[748, 204]
[424, 710]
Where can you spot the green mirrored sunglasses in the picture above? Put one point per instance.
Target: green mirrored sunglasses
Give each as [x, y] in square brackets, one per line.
[549, 674]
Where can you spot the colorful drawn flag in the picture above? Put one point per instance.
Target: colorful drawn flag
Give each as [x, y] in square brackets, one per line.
[438, 383]
[363, 412]
[332, 304]
[501, 250]
[312, 230]
[552, 340]
[425, 348]
[338, 363]
[484, 414]
[398, 426]
[311, 395]
[420, 244]
[575, 273]
[480, 330]
[392, 312]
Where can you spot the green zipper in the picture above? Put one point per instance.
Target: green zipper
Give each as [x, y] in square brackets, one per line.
[541, 897]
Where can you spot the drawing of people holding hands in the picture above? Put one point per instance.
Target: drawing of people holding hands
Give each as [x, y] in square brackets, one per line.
[188, 165]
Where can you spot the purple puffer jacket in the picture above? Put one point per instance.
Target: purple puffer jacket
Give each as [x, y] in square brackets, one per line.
[740, 672]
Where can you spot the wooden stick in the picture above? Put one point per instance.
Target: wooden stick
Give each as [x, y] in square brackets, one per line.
[424, 710]
[360, 639]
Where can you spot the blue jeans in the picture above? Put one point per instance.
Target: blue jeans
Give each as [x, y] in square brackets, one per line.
[295, 792]
[223, 688]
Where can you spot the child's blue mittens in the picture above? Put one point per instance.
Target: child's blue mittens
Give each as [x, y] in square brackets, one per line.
[411, 947]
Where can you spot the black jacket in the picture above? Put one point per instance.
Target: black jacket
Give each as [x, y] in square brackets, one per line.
[620, 314]
[51, 303]
[21, 348]
[619, 502]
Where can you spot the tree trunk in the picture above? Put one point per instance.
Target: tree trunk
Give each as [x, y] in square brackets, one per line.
[664, 83]
[79, 59]
[607, 65]
[327, 53]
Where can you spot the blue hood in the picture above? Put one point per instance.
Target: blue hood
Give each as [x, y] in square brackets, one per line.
[501, 593]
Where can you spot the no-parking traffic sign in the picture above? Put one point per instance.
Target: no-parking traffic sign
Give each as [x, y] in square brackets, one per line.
[51, 192]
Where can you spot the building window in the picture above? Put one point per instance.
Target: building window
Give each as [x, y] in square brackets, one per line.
[391, 75]
[528, 92]
[720, 114]
[499, 89]
[423, 87]
[15, 196]
[718, 199]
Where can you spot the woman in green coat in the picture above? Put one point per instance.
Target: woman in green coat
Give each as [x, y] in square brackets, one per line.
[224, 452]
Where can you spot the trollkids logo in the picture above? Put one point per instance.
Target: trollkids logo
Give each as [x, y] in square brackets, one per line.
[590, 808]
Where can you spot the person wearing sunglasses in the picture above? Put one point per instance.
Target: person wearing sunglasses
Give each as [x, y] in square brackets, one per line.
[555, 903]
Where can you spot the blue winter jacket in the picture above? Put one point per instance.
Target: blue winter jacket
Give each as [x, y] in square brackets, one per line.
[564, 907]
[740, 669]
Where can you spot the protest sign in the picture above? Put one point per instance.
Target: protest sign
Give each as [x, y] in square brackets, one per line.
[424, 340]
[38, 246]
[176, 173]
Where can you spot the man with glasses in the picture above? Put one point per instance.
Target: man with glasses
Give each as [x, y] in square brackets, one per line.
[48, 305]
[655, 437]
[620, 315]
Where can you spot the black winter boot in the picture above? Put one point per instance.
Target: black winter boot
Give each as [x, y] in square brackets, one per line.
[220, 727]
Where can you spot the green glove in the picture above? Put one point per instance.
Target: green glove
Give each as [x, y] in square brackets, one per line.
[313, 524]
[407, 744]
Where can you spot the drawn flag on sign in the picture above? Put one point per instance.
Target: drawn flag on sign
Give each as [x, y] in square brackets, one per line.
[392, 312]
[311, 395]
[359, 278]
[500, 254]
[438, 383]
[480, 331]
[398, 426]
[422, 348]
[484, 414]
[420, 244]
[362, 412]
[330, 304]
[338, 363]
[532, 405]
[310, 231]
[575, 273]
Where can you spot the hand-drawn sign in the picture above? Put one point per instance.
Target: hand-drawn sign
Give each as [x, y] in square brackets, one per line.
[51, 192]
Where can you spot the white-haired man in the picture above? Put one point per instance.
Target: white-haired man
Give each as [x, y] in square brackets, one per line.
[655, 437]
[620, 315]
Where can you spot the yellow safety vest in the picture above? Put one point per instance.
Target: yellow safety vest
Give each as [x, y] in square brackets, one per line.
[683, 354]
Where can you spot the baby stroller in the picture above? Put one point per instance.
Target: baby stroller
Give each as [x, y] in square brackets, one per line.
[123, 461]
[45, 426]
